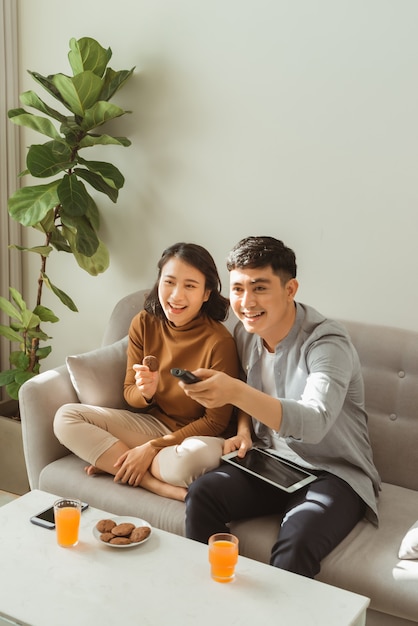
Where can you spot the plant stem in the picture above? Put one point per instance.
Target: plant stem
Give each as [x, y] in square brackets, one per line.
[33, 358]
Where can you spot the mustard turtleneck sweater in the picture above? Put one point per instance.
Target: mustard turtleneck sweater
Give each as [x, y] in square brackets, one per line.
[201, 343]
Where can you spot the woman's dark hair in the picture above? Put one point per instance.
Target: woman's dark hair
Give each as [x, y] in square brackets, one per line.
[253, 252]
[217, 306]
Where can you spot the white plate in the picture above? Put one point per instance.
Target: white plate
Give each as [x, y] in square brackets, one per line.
[137, 521]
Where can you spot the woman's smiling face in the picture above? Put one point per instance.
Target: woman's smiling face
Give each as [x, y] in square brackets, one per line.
[181, 291]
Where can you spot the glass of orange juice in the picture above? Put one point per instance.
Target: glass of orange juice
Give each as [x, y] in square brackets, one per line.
[67, 512]
[223, 556]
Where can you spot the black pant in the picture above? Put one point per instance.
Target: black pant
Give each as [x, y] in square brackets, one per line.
[315, 520]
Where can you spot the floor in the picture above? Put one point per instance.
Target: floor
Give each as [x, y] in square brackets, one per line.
[6, 497]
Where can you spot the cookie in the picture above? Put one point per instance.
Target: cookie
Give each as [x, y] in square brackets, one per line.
[139, 534]
[106, 537]
[105, 525]
[151, 362]
[123, 530]
[120, 541]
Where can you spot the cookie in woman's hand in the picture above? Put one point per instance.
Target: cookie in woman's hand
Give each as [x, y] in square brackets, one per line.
[151, 362]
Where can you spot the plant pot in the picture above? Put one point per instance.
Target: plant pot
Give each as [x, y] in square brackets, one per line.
[13, 474]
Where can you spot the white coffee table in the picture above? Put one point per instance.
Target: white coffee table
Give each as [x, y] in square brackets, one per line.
[163, 581]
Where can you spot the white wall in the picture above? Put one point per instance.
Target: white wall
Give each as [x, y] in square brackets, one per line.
[292, 118]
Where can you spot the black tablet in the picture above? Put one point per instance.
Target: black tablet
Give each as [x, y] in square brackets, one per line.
[273, 469]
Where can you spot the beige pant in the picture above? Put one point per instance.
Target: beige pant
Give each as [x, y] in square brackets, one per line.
[88, 431]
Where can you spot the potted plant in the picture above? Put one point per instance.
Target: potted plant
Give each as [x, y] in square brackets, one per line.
[62, 209]
[13, 474]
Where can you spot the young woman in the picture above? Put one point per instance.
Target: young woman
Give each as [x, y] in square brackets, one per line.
[168, 439]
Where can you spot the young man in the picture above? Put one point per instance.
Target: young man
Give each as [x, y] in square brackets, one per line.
[304, 392]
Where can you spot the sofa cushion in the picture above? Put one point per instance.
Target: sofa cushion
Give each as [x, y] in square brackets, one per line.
[409, 546]
[98, 376]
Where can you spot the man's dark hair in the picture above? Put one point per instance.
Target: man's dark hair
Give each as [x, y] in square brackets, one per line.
[217, 306]
[253, 252]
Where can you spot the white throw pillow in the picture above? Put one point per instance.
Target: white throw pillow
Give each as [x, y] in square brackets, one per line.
[98, 376]
[409, 545]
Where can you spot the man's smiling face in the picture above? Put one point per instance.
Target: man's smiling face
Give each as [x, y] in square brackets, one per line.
[263, 303]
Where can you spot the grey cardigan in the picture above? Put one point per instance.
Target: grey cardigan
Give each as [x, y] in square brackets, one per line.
[320, 385]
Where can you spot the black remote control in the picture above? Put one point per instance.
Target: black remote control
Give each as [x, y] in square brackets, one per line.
[184, 375]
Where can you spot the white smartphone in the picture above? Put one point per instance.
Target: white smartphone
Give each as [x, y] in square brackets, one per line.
[46, 518]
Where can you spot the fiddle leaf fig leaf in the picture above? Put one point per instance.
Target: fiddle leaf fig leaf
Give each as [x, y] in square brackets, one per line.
[110, 174]
[47, 225]
[22, 377]
[42, 353]
[49, 159]
[37, 334]
[30, 320]
[55, 237]
[103, 140]
[58, 241]
[31, 99]
[42, 125]
[45, 314]
[72, 133]
[88, 54]
[17, 299]
[42, 250]
[29, 205]
[96, 181]
[10, 334]
[7, 376]
[9, 309]
[100, 113]
[19, 359]
[93, 214]
[65, 299]
[114, 81]
[95, 264]
[73, 197]
[48, 85]
[12, 389]
[86, 239]
[80, 92]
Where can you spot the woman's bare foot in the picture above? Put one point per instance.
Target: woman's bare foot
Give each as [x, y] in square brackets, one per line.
[107, 460]
[91, 470]
[182, 493]
[150, 483]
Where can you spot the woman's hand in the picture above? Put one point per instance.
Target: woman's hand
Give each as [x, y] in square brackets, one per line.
[134, 464]
[146, 381]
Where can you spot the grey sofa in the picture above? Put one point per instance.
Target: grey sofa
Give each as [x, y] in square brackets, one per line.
[366, 562]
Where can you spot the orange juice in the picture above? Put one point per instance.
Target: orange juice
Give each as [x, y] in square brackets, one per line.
[67, 522]
[223, 556]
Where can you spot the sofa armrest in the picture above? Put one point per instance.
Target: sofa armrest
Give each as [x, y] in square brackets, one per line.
[39, 399]
[41, 396]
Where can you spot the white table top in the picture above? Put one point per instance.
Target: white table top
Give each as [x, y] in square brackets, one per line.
[166, 580]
